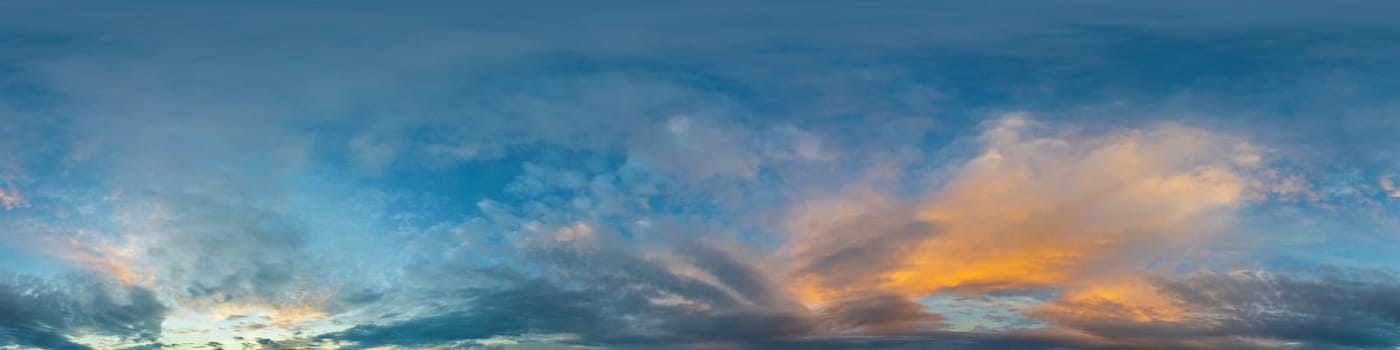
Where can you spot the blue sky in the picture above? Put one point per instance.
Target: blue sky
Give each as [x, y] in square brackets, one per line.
[733, 175]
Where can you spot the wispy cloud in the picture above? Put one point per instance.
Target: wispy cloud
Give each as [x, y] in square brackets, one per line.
[1031, 210]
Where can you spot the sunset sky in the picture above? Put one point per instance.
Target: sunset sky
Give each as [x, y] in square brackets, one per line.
[699, 175]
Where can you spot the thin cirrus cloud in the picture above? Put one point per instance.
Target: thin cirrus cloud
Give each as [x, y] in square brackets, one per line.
[811, 175]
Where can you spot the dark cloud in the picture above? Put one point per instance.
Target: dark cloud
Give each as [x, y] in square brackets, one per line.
[850, 240]
[939, 341]
[878, 313]
[617, 299]
[530, 307]
[1327, 308]
[607, 296]
[43, 313]
[736, 274]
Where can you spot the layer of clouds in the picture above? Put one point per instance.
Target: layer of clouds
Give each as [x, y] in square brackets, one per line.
[219, 252]
[1319, 308]
[193, 135]
[600, 297]
[1032, 210]
[46, 313]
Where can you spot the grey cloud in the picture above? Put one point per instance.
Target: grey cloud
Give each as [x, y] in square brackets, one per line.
[616, 299]
[611, 267]
[845, 264]
[938, 341]
[204, 248]
[876, 313]
[602, 296]
[606, 292]
[43, 313]
[738, 275]
[225, 250]
[1325, 308]
[850, 239]
[529, 307]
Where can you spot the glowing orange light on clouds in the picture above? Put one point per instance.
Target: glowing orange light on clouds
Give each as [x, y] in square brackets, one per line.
[1125, 299]
[10, 198]
[279, 315]
[109, 260]
[120, 263]
[1043, 211]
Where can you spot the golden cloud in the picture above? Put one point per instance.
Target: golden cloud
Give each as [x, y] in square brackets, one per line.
[1034, 208]
[10, 198]
[110, 260]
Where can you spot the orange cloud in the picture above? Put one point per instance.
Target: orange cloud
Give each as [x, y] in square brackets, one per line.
[280, 315]
[10, 198]
[1388, 185]
[1127, 298]
[1030, 210]
[106, 259]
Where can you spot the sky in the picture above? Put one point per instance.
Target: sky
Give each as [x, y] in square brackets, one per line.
[699, 175]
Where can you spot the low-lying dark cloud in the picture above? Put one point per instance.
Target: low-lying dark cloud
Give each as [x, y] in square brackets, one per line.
[878, 313]
[43, 313]
[615, 298]
[1330, 308]
[619, 299]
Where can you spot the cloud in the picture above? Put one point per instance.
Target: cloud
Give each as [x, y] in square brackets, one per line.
[696, 147]
[687, 296]
[602, 296]
[1035, 208]
[201, 142]
[221, 249]
[11, 199]
[843, 242]
[11, 178]
[1320, 308]
[216, 255]
[879, 313]
[45, 313]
